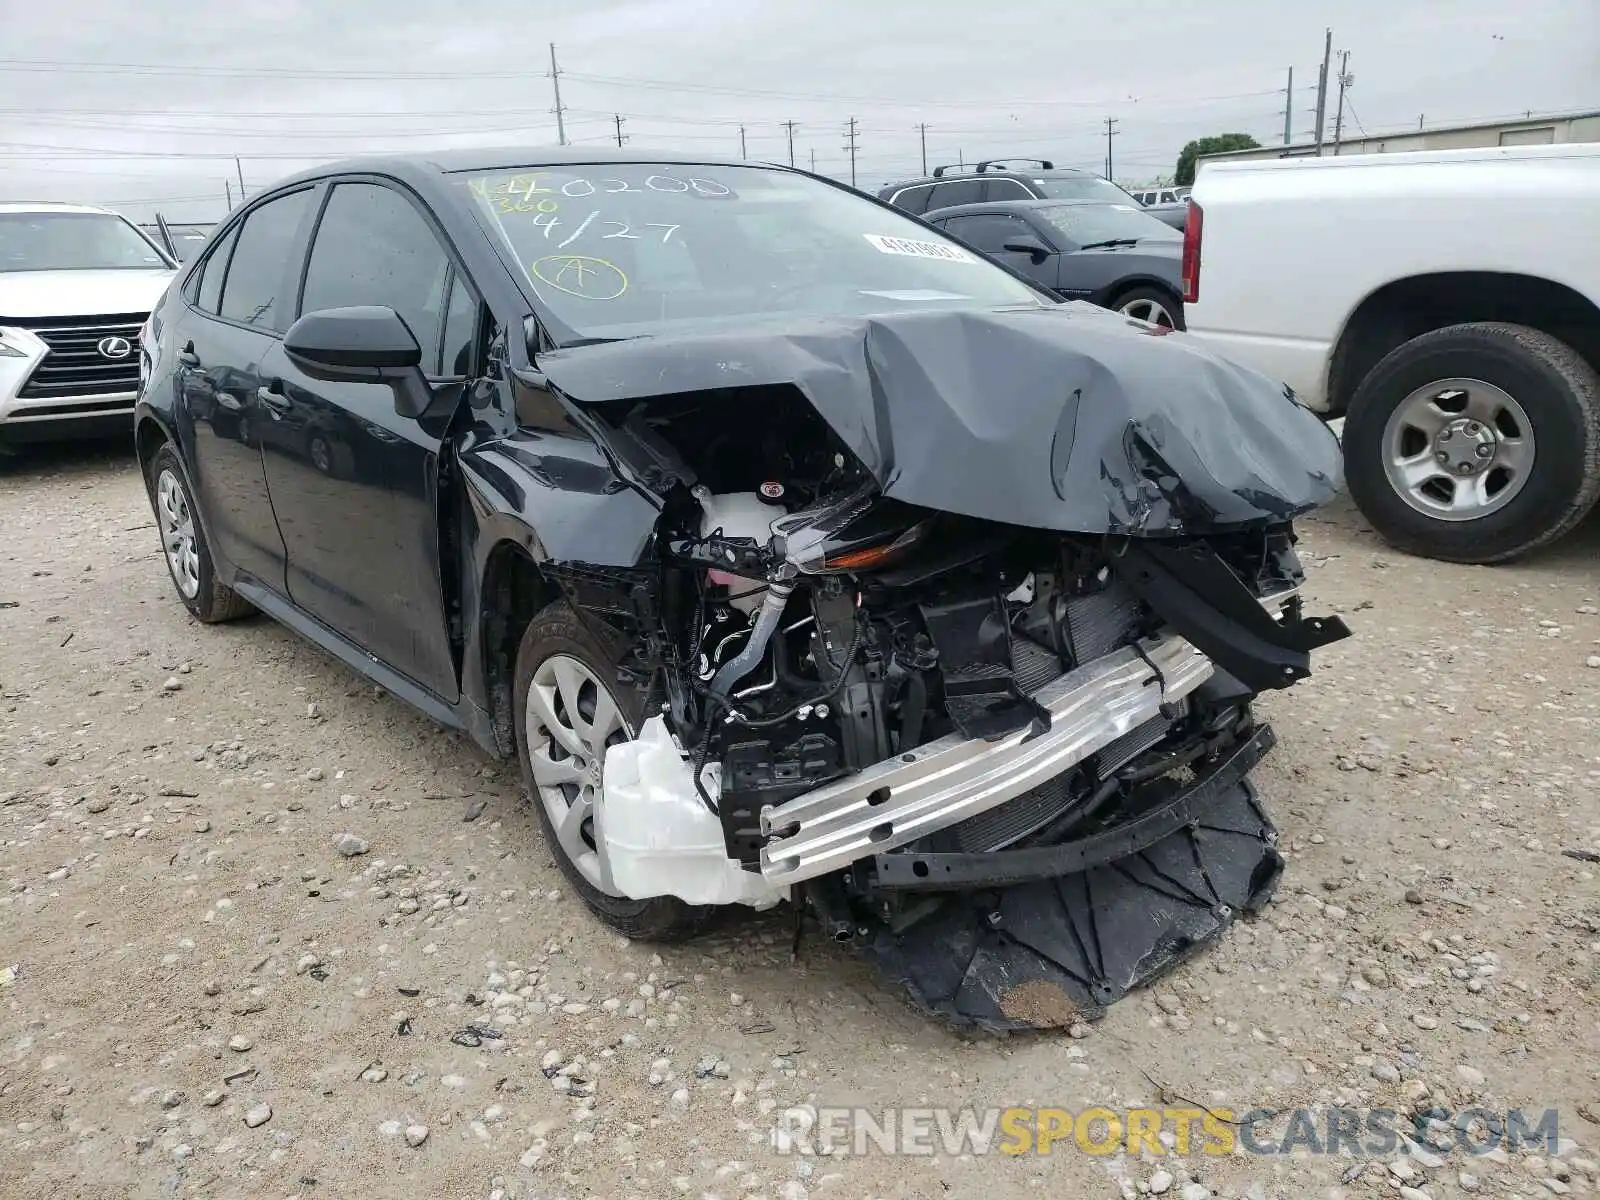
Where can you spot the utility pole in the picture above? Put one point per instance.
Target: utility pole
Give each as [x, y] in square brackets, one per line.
[850, 145]
[1322, 87]
[813, 160]
[923, 130]
[228, 190]
[237, 167]
[789, 125]
[555, 82]
[742, 154]
[1288, 110]
[617, 117]
[1111, 132]
[1345, 80]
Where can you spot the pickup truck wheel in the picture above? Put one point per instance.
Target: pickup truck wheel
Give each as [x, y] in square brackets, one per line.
[183, 544]
[1152, 305]
[567, 714]
[1475, 443]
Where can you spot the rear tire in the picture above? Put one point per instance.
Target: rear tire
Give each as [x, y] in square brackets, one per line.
[556, 633]
[184, 546]
[1549, 387]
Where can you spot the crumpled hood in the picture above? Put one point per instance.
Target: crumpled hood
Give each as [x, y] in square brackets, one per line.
[1066, 417]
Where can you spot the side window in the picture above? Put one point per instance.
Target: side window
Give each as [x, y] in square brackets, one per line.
[913, 199]
[373, 247]
[964, 191]
[212, 271]
[460, 330]
[1007, 189]
[988, 232]
[261, 252]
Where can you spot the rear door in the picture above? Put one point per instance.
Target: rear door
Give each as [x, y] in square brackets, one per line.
[354, 484]
[243, 302]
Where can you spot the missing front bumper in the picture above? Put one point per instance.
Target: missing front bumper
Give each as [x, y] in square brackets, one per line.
[900, 800]
[1057, 949]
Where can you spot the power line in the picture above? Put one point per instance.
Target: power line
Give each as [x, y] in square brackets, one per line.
[476, 73]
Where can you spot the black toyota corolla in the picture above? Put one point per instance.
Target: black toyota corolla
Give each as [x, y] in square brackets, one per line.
[797, 552]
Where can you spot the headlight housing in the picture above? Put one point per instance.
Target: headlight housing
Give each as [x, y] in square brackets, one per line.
[7, 350]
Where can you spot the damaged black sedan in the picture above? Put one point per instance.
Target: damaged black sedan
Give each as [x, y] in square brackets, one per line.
[798, 553]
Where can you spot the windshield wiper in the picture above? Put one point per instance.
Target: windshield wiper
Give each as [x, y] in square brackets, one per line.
[1109, 242]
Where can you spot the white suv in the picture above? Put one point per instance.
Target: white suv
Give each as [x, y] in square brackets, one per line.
[76, 285]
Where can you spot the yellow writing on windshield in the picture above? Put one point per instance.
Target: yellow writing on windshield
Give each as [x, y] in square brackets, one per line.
[581, 275]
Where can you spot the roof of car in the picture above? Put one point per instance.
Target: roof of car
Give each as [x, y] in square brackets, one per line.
[1015, 205]
[49, 206]
[992, 172]
[479, 158]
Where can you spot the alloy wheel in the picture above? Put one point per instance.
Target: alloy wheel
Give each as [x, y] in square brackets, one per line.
[1146, 309]
[572, 719]
[1458, 449]
[177, 533]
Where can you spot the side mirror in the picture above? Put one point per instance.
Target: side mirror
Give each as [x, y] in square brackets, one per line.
[1026, 243]
[366, 344]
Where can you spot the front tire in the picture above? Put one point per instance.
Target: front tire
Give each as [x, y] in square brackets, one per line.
[1475, 443]
[568, 710]
[1152, 305]
[184, 546]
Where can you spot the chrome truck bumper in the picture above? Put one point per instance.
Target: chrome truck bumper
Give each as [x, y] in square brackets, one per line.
[899, 800]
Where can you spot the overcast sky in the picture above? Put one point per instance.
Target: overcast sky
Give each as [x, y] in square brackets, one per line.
[144, 105]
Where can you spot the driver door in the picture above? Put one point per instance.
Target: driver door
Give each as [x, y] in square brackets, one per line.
[355, 486]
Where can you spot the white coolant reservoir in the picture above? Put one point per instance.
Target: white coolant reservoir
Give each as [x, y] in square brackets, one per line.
[738, 515]
[659, 837]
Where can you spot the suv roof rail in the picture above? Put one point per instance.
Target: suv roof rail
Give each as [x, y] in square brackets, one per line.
[1044, 163]
[938, 172]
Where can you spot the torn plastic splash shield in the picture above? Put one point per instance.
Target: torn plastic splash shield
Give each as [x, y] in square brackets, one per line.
[1064, 417]
[1045, 953]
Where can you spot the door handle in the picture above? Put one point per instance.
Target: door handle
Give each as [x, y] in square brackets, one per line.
[271, 394]
[187, 356]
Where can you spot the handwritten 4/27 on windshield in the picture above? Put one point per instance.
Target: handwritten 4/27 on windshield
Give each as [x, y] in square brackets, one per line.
[619, 229]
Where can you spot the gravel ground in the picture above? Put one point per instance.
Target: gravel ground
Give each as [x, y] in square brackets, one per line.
[250, 900]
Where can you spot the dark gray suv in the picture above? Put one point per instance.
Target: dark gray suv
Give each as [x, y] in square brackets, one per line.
[993, 181]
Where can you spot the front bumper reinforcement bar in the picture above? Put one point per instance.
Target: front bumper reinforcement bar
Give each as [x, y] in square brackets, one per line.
[1002, 868]
[901, 799]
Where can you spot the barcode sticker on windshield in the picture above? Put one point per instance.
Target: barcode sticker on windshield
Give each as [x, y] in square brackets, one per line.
[911, 248]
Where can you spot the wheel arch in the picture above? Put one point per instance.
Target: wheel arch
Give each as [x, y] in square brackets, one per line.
[149, 435]
[1402, 309]
[513, 590]
[1133, 283]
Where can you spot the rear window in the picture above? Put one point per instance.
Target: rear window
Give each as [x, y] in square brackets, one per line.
[1081, 187]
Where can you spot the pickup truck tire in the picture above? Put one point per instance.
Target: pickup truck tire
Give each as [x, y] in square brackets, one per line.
[556, 636]
[1549, 386]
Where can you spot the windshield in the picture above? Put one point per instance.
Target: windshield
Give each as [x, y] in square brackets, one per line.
[620, 249]
[1086, 224]
[66, 241]
[1080, 187]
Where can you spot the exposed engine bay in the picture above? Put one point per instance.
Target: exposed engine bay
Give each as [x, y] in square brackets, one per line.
[1008, 763]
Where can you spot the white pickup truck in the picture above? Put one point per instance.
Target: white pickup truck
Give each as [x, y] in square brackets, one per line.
[1445, 303]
